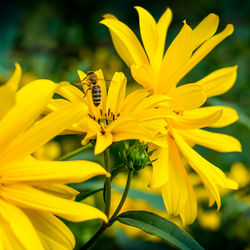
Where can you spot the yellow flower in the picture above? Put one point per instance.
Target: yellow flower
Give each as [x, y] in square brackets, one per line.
[210, 220]
[117, 117]
[240, 173]
[32, 192]
[160, 73]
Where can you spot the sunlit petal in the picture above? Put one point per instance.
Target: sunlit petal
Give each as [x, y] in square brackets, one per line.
[39, 134]
[28, 197]
[229, 115]
[60, 190]
[219, 82]
[18, 221]
[102, 142]
[70, 92]
[187, 97]
[205, 29]
[174, 191]
[160, 166]
[8, 91]
[47, 172]
[116, 93]
[177, 55]
[216, 141]
[191, 121]
[200, 53]
[125, 42]
[51, 230]
[149, 33]
[162, 28]
[31, 100]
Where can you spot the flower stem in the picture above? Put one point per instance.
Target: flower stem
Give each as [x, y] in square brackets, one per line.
[113, 218]
[73, 153]
[107, 185]
[124, 196]
[95, 237]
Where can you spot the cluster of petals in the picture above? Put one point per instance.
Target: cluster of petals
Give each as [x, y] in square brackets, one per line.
[159, 72]
[118, 117]
[32, 192]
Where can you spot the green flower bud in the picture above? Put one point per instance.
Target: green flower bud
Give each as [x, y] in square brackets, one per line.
[136, 157]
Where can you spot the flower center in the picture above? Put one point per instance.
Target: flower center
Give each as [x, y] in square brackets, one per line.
[105, 119]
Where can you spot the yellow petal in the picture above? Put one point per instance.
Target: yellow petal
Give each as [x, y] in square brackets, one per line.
[116, 93]
[229, 115]
[149, 33]
[216, 141]
[152, 102]
[189, 212]
[174, 192]
[51, 230]
[126, 43]
[211, 175]
[153, 114]
[200, 53]
[31, 198]
[102, 142]
[162, 28]
[60, 190]
[198, 162]
[140, 133]
[39, 134]
[15, 78]
[158, 126]
[160, 167]
[50, 172]
[144, 75]
[132, 100]
[205, 29]
[231, 184]
[70, 92]
[177, 55]
[219, 82]
[8, 91]
[190, 119]
[187, 97]
[18, 221]
[56, 104]
[8, 239]
[31, 100]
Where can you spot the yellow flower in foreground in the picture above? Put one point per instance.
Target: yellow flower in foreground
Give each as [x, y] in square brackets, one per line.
[160, 73]
[32, 192]
[117, 117]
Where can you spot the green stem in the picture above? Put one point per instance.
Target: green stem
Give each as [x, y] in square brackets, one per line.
[73, 153]
[107, 184]
[95, 237]
[112, 220]
[124, 196]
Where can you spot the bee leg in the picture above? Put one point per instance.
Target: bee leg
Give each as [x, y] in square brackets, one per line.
[86, 92]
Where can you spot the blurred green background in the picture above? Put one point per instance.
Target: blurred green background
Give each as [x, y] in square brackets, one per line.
[52, 39]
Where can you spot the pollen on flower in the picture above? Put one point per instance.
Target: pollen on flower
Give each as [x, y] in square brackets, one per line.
[105, 118]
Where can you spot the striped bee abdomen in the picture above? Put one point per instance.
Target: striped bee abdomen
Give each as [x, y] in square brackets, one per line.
[96, 95]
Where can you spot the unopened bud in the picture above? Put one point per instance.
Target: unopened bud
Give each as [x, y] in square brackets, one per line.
[136, 157]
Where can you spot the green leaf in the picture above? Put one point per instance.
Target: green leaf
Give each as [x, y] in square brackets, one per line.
[85, 195]
[158, 226]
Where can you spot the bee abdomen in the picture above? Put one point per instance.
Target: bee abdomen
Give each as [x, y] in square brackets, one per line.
[96, 95]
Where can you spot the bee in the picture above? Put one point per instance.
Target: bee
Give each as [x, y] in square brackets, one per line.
[91, 81]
